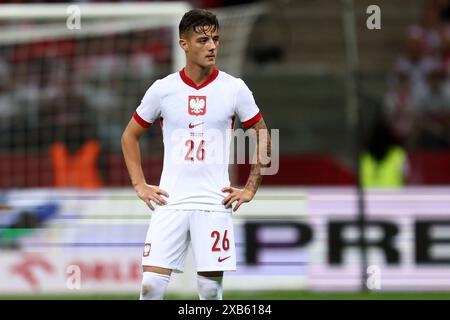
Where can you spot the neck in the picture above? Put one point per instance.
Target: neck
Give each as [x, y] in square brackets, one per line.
[197, 73]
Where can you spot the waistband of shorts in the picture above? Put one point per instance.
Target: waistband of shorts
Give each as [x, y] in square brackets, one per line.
[194, 206]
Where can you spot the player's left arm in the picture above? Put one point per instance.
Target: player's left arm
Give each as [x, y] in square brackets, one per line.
[263, 147]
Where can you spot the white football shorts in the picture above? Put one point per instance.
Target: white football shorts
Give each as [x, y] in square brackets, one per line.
[209, 232]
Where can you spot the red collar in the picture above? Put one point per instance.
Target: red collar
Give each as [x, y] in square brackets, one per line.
[191, 83]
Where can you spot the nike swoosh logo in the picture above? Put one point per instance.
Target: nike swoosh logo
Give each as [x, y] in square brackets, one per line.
[194, 125]
[222, 259]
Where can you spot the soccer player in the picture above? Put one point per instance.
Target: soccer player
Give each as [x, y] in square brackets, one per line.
[194, 199]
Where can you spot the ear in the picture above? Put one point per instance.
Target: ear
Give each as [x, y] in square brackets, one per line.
[183, 44]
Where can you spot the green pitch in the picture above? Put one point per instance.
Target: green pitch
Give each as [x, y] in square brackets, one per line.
[269, 295]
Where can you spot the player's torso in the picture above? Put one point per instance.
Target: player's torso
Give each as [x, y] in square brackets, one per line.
[196, 124]
[197, 110]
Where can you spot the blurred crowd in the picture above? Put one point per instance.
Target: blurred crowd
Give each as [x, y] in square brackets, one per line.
[416, 115]
[73, 90]
[68, 100]
[59, 97]
[77, 89]
[418, 103]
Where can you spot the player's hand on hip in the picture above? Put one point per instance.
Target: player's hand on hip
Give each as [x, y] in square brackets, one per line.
[239, 195]
[148, 193]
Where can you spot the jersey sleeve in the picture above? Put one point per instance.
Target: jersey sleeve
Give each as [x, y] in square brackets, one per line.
[149, 109]
[246, 108]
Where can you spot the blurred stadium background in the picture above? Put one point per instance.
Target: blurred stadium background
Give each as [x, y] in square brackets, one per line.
[364, 128]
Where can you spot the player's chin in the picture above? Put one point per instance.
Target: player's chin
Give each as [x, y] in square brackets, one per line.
[210, 62]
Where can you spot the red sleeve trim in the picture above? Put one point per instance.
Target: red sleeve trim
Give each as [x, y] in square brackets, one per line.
[252, 121]
[141, 121]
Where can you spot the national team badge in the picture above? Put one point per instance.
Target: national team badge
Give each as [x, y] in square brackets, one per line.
[147, 248]
[197, 105]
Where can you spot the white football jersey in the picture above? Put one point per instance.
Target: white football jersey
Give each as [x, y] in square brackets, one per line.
[196, 123]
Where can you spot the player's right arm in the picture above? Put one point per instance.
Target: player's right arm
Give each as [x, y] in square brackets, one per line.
[132, 154]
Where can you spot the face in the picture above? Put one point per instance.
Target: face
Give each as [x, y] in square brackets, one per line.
[201, 47]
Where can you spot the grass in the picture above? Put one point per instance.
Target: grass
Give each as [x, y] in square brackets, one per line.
[268, 295]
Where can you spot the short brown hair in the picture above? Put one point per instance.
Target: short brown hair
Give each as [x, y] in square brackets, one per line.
[196, 19]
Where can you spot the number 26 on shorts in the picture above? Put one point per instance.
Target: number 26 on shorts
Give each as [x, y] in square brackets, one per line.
[225, 241]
